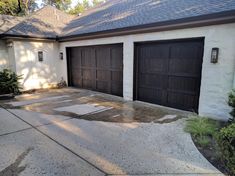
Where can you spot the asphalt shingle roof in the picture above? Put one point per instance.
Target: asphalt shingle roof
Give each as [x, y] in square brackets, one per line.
[116, 14]
[7, 22]
[47, 22]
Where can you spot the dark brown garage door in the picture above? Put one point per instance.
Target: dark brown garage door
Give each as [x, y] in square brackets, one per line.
[169, 73]
[98, 68]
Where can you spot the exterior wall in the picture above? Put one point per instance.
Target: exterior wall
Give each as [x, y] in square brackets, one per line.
[4, 62]
[217, 79]
[37, 74]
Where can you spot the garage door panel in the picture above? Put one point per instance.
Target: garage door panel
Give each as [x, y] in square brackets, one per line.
[97, 68]
[87, 83]
[153, 80]
[181, 101]
[103, 75]
[153, 65]
[155, 58]
[116, 87]
[75, 52]
[152, 95]
[183, 66]
[179, 51]
[87, 74]
[103, 86]
[76, 76]
[153, 51]
[103, 57]
[76, 62]
[76, 70]
[169, 73]
[88, 57]
[116, 76]
[116, 62]
[186, 84]
[77, 80]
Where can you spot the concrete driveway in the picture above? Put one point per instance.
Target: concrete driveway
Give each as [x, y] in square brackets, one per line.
[78, 132]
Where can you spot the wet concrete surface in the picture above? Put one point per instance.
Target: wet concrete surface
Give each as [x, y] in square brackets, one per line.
[78, 132]
[117, 110]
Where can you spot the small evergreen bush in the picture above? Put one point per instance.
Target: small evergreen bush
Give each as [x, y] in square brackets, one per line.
[226, 142]
[9, 82]
[231, 102]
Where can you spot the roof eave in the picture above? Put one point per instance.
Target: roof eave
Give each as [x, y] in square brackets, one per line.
[24, 37]
[205, 20]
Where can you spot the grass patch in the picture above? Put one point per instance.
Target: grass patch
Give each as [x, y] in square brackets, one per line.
[202, 128]
[203, 141]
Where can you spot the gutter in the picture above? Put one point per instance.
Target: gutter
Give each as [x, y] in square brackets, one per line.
[200, 21]
[23, 37]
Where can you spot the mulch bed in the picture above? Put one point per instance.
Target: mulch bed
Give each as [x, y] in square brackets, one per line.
[212, 154]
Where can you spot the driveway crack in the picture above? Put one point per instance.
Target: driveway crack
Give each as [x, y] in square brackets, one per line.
[15, 131]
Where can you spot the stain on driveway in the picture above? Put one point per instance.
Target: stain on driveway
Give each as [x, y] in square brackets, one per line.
[15, 169]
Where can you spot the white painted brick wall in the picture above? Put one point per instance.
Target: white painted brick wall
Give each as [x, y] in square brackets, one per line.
[37, 74]
[128, 69]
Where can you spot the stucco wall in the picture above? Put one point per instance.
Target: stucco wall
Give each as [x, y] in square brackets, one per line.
[37, 74]
[4, 62]
[217, 79]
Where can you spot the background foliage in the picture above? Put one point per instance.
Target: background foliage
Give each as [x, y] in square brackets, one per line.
[59, 4]
[25, 7]
[17, 7]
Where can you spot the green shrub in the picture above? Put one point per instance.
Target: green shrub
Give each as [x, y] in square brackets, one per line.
[201, 126]
[226, 142]
[9, 82]
[231, 102]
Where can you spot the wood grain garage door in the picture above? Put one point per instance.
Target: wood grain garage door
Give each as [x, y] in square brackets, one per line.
[169, 73]
[98, 68]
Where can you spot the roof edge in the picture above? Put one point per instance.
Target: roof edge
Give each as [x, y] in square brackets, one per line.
[28, 17]
[199, 21]
[12, 36]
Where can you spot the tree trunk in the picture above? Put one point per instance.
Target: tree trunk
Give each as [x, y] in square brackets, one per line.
[19, 7]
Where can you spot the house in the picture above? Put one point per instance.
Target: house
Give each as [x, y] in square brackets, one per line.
[174, 53]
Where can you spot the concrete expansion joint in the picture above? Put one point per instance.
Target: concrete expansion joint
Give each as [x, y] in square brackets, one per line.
[63, 146]
[18, 131]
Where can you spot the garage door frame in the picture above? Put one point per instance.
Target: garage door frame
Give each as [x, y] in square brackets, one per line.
[69, 71]
[135, 64]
